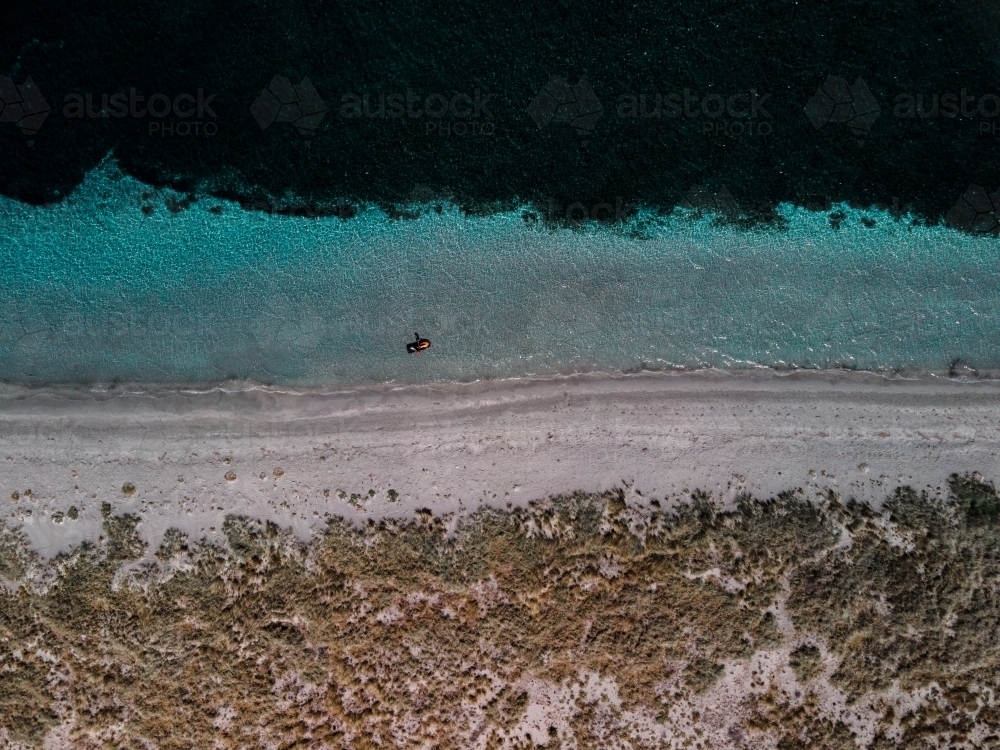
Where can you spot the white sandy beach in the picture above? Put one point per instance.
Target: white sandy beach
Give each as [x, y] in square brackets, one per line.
[297, 458]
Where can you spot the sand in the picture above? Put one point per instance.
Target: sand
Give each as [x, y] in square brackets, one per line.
[588, 622]
[298, 458]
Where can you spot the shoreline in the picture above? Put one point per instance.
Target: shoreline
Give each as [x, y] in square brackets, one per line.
[385, 452]
[98, 391]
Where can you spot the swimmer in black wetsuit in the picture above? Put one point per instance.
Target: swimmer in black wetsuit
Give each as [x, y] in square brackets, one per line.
[419, 345]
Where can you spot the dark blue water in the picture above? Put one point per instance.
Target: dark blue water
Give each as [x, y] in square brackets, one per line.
[658, 97]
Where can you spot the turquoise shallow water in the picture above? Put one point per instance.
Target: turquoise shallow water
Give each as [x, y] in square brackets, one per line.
[94, 291]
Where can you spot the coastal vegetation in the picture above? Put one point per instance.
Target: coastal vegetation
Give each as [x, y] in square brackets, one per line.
[580, 621]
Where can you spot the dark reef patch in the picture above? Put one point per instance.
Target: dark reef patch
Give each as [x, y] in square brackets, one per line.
[573, 107]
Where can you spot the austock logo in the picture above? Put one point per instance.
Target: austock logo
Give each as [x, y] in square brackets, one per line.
[443, 115]
[704, 198]
[836, 101]
[742, 113]
[424, 194]
[281, 101]
[956, 106]
[23, 105]
[577, 214]
[976, 212]
[179, 115]
[559, 102]
[421, 199]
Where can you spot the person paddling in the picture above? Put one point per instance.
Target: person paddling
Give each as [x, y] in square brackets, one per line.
[419, 345]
